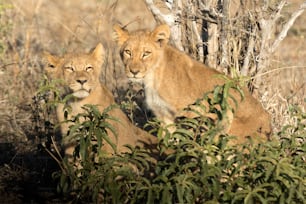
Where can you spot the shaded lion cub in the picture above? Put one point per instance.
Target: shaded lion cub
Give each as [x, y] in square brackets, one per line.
[80, 73]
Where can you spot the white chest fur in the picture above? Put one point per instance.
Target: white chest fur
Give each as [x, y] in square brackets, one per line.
[158, 105]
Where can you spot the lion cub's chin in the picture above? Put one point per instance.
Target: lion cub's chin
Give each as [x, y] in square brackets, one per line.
[81, 94]
[136, 80]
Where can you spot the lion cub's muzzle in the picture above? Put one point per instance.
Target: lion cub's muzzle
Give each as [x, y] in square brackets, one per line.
[135, 72]
[80, 88]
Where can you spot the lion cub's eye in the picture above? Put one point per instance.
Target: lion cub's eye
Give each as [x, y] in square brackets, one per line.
[146, 54]
[89, 68]
[51, 66]
[69, 69]
[128, 52]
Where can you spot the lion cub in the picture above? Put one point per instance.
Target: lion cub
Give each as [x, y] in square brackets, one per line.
[80, 73]
[173, 80]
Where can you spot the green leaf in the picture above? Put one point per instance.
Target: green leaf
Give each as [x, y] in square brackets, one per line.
[107, 139]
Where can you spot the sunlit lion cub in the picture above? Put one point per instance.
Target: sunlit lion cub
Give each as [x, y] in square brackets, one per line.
[173, 80]
[81, 72]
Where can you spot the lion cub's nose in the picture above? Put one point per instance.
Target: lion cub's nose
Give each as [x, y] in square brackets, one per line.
[134, 72]
[81, 81]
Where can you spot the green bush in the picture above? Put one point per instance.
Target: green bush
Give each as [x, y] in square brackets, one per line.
[201, 168]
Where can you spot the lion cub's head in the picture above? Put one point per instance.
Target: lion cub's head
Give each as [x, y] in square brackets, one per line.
[80, 72]
[141, 51]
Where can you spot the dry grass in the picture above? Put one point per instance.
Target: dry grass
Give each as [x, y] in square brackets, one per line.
[32, 26]
[286, 84]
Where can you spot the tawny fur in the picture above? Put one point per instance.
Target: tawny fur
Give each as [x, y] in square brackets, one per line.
[173, 80]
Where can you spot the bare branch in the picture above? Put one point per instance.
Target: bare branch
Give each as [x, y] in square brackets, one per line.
[287, 26]
[246, 62]
[224, 35]
[170, 18]
[199, 41]
[167, 18]
[277, 13]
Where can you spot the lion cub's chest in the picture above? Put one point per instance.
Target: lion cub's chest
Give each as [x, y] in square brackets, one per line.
[155, 102]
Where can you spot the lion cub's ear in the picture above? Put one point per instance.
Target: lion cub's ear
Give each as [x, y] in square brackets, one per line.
[51, 62]
[161, 34]
[99, 53]
[120, 35]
